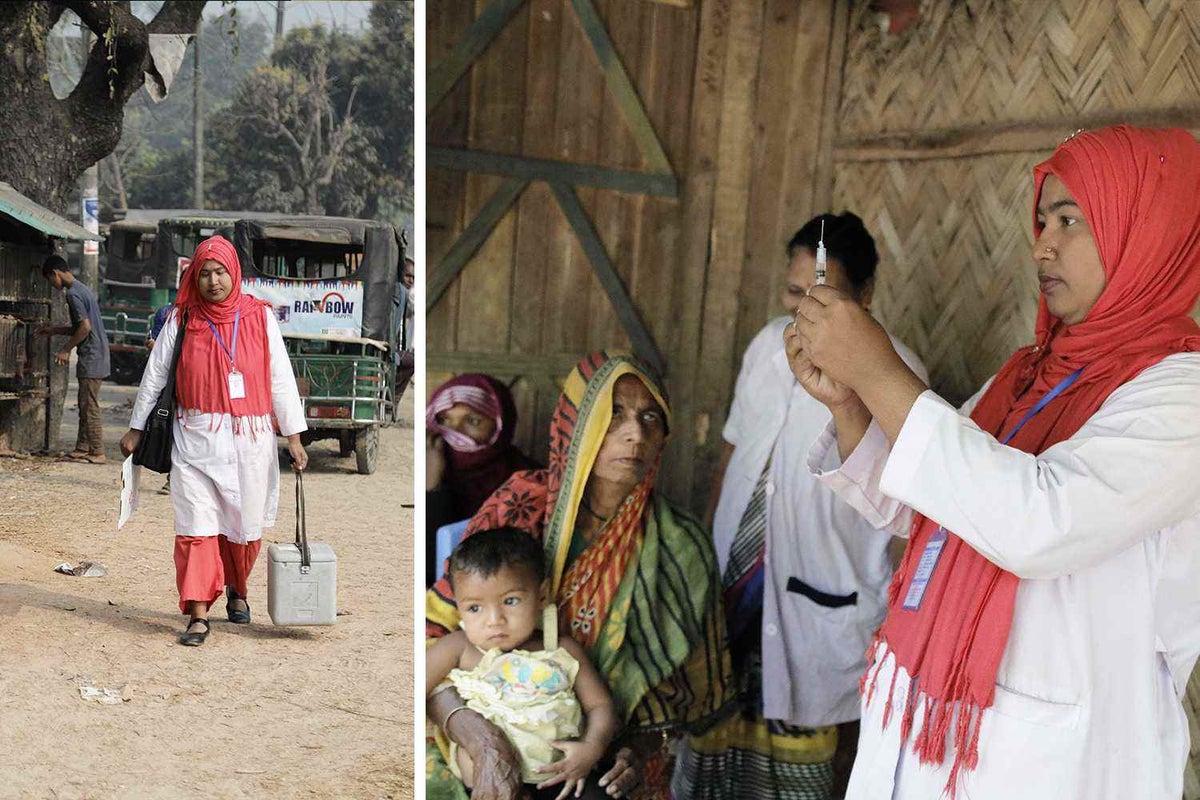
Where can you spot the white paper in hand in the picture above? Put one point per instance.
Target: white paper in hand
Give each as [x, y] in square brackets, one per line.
[130, 476]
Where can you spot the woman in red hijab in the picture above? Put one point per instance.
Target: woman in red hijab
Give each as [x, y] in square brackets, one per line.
[469, 425]
[234, 388]
[1046, 617]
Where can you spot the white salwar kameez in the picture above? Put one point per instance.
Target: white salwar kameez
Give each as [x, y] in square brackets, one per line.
[224, 469]
[1103, 530]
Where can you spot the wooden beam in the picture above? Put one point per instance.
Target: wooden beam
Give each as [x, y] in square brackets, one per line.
[681, 477]
[727, 229]
[621, 87]
[486, 27]
[537, 169]
[831, 104]
[593, 248]
[472, 238]
[984, 140]
[555, 366]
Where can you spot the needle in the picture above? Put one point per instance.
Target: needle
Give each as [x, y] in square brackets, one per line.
[821, 258]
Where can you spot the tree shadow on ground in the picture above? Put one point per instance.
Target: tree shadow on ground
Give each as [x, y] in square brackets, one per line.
[138, 621]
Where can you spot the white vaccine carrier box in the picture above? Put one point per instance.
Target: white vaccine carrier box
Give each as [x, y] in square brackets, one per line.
[301, 577]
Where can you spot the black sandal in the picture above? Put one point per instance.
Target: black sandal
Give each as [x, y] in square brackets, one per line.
[189, 639]
[236, 616]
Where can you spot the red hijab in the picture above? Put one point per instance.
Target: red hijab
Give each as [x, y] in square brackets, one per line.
[1138, 190]
[202, 382]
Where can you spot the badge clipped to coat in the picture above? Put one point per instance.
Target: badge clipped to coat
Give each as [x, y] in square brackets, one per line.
[237, 383]
[237, 386]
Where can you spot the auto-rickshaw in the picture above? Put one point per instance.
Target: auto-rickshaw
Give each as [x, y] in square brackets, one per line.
[333, 283]
[128, 292]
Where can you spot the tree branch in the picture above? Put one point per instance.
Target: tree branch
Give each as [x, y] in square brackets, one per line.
[312, 131]
[282, 130]
[106, 85]
[349, 115]
[339, 140]
[130, 46]
[177, 16]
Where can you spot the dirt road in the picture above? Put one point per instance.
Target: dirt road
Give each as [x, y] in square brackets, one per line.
[257, 711]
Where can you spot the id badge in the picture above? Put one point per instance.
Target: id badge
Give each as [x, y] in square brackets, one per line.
[237, 386]
[929, 559]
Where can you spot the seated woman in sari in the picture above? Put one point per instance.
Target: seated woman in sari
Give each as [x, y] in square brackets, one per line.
[635, 579]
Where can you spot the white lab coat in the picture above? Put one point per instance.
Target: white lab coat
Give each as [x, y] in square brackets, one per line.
[1104, 531]
[224, 469]
[812, 653]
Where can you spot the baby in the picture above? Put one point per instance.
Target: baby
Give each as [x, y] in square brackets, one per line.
[524, 681]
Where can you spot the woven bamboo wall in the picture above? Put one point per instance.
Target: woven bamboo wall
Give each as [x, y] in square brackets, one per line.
[991, 62]
[956, 280]
[937, 131]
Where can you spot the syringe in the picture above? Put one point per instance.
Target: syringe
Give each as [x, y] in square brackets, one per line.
[821, 257]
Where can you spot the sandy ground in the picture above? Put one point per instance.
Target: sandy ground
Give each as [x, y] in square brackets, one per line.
[257, 711]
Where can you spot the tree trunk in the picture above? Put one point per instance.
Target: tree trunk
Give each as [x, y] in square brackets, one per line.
[122, 202]
[312, 199]
[48, 142]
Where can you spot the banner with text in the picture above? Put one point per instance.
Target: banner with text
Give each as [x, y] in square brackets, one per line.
[322, 308]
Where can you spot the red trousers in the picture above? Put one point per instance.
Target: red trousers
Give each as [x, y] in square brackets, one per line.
[205, 565]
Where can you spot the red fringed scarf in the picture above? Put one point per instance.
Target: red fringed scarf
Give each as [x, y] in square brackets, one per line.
[1140, 192]
[202, 382]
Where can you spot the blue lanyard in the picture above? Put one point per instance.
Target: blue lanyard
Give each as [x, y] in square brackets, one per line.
[231, 352]
[933, 547]
[1062, 386]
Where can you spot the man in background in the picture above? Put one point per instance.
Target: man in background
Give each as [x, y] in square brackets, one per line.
[157, 323]
[404, 358]
[90, 342]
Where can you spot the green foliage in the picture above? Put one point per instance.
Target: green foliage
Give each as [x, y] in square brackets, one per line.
[166, 124]
[163, 178]
[378, 68]
[386, 97]
[110, 53]
[251, 106]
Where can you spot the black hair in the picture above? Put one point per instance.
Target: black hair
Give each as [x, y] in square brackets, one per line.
[487, 552]
[846, 240]
[54, 262]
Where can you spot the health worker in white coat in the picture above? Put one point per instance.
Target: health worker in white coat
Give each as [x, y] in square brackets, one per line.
[234, 387]
[804, 576]
[1046, 617]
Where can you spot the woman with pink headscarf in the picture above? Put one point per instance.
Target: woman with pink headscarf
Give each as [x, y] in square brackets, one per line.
[469, 426]
[234, 387]
[1042, 627]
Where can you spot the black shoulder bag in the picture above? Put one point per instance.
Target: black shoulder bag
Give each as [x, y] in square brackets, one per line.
[154, 449]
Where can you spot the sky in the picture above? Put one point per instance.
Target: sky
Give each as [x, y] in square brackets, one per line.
[345, 15]
[350, 16]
